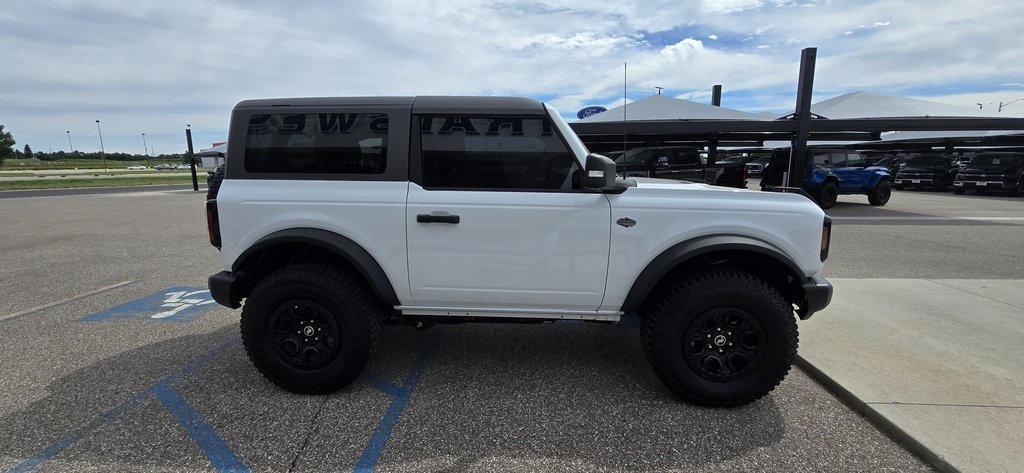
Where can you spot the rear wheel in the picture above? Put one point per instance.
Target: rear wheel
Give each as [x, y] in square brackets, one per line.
[720, 338]
[310, 328]
[881, 193]
[827, 195]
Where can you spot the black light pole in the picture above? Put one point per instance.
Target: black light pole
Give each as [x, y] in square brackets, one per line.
[191, 160]
[798, 149]
[70, 146]
[103, 152]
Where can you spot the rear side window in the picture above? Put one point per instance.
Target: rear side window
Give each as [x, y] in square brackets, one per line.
[317, 143]
[493, 152]
[685, 157]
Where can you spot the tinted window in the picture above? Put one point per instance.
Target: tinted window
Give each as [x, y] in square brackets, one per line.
[854, 159]
[928, 161]
[996, 160]
[685, 156]
[838, 159]
[821, 158]
[635, 156]
[493, 153]
[322, 143]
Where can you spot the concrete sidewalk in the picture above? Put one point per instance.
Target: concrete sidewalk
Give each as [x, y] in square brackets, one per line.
[938, 361]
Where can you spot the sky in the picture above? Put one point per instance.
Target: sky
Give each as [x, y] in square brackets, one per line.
[152, 67]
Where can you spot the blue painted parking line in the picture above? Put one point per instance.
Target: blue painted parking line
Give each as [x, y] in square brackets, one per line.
[175, 304]
[400, 398]
[205, 437]
[54, 449]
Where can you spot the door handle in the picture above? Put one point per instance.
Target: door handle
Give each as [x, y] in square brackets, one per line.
[429, 218]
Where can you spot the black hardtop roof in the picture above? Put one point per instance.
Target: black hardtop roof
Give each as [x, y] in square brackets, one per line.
[419, 104]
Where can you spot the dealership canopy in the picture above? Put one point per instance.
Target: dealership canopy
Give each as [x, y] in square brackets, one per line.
[661, 107]
[862, 104]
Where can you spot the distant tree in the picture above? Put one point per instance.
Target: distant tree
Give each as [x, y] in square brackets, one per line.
[28, 151]
[6, 145]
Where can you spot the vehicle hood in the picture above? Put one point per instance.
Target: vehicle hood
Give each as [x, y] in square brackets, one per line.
[925, 168]
[989, 170]
[730, 195]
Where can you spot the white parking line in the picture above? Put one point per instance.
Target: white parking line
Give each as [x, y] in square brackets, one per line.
[62, 301]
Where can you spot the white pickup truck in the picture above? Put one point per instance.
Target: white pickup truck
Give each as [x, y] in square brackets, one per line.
[338, 215]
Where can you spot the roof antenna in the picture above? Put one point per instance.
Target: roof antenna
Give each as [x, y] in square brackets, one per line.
[625, 67]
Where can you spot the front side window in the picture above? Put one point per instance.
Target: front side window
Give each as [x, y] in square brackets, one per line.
[821, 158]
[854, 159]
[317, 143]
[493, 152]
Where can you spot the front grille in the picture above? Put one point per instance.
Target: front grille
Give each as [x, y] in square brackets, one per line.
[916, 175]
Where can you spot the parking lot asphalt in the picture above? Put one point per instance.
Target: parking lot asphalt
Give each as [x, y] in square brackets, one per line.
[91, 388]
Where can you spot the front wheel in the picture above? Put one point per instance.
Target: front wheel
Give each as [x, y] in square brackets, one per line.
[310, 328]
[958, 191]
[827, 195]
[881, 193]
[720, 338]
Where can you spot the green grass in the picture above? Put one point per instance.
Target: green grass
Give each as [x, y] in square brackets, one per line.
[91, 182]
[35, 164]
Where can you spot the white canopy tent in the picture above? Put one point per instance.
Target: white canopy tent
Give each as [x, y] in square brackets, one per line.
[213, 156]
[862, 104]
[661, 107]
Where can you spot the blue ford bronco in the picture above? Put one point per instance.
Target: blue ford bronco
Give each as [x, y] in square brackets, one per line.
[831, 172]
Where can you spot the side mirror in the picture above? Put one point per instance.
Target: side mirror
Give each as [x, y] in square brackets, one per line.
[599, 173]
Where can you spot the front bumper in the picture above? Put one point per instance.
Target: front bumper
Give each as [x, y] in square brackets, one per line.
[817, 296]
[911, 182]
[982, 184]
[226, 289]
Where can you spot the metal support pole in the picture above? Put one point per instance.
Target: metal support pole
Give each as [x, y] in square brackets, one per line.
[103, 152]
[798, 149]
[71, 148]
[716, 100]
[191, 160]
[145, 148]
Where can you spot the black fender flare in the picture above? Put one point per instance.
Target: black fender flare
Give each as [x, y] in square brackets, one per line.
[340, 245]
[684, 251]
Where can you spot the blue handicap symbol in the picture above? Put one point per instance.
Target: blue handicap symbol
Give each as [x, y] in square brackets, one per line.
[174, 304]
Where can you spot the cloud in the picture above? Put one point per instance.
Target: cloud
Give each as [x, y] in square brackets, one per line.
[152, 67]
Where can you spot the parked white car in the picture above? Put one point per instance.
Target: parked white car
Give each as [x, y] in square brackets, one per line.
[338, 215]
[136, 168]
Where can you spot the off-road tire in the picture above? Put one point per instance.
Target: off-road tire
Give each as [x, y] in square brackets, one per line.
[671, 312]
[355, 311]
[881, 193]
[827, 195]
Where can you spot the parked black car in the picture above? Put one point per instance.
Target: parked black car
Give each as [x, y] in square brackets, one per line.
[680, 163]
[931, 171]
[1000, 172]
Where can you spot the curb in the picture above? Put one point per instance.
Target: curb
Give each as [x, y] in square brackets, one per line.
[878, 419]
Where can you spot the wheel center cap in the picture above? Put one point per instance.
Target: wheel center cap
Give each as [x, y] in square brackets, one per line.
[719, 340]
[308, 331]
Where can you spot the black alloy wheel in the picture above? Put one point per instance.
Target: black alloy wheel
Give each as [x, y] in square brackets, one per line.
[724, 344]
[304, 335]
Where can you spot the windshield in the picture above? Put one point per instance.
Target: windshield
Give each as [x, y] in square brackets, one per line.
[928, 161]
[996, 160]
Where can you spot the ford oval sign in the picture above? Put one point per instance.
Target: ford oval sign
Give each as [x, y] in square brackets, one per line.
[588, 111]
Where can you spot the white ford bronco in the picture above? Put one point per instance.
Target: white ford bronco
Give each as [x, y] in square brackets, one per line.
[338, 215]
